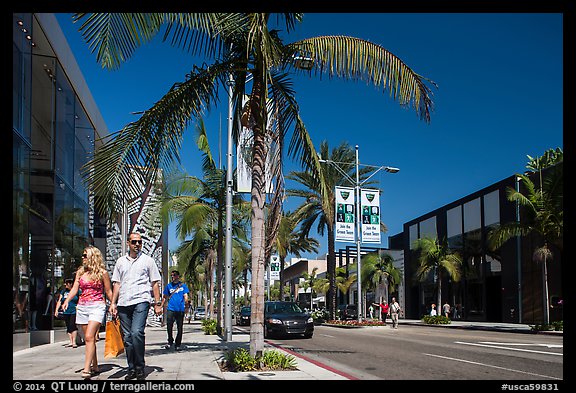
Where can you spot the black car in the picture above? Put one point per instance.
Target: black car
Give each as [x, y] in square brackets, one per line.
[244, 316]
[286, 319]
[348, 311]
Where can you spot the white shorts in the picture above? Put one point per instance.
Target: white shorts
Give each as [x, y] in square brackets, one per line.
[90, 312]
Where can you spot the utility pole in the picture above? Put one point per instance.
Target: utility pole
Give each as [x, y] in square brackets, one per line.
[228, 249]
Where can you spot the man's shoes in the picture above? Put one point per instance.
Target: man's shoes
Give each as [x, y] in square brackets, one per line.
[131, 374]
[140, 376]
[168, 346]
[177, 349]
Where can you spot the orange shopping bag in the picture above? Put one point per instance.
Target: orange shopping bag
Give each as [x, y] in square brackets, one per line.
[113, 345]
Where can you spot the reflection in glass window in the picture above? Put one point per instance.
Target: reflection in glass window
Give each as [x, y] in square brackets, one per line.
[454, 221]
[495, 265]
[413, 235]
[491, 208]
[428, 228]
[472, 215]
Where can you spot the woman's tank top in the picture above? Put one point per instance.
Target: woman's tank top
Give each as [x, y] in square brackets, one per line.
[92, 291]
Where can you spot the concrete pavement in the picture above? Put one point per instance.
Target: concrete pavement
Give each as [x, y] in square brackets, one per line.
[197, 361]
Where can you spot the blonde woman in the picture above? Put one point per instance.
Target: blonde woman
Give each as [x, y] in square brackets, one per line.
[94, 281]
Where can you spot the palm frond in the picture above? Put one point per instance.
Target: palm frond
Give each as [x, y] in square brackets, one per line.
[153, 141]
[357, 59]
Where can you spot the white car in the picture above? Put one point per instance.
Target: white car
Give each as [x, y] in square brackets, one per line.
[199, 313]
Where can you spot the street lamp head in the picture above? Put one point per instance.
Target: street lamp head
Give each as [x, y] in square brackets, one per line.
[391, 169]
[304, 63]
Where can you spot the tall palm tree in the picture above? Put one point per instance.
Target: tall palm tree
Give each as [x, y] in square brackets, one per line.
[237, 45]
[380, 270]
[319, 200]
[438, 259]
[291, 241]
[542, 214]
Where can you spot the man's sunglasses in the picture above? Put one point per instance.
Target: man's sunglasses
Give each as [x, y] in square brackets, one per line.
[136, 241]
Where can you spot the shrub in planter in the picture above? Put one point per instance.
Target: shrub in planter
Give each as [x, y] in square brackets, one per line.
[436, 320]
[320, 316]
[240, 360]
[209, 326]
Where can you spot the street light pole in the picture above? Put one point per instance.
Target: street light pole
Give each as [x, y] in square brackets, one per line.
[358, 239]
[358, 201]
[229, 184]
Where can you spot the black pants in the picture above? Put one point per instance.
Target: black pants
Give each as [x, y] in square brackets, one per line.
[171, 317]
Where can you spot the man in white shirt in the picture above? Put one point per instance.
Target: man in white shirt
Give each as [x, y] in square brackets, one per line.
[135, 275]
[394, 310]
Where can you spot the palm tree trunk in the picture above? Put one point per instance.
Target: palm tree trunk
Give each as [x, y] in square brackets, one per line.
[219, 272]
[210, 279]
[439, 301]
[546, 297]
[258, 235]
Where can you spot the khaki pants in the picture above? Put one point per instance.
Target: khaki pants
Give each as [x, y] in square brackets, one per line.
[394, 317]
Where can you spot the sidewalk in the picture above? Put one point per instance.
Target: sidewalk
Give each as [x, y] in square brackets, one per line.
[197, 361]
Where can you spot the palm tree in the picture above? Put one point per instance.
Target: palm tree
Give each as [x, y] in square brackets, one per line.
[202, 202]
[291, 241]
[380, 270]
[237, 45]
[437, 259]
[319, 200]
[542, 214]
[309, 282]
[344, 281]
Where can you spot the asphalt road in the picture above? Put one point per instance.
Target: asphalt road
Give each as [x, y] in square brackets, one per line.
[431, 353]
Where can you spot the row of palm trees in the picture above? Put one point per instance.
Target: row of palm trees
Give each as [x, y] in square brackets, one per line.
[197, 206]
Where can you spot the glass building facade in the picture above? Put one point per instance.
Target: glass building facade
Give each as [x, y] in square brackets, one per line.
[53, 136]
[56, 127]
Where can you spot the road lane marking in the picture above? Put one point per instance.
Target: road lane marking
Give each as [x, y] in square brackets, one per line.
[509, 349]
[326, 335]
[525, 344]
[492, 366]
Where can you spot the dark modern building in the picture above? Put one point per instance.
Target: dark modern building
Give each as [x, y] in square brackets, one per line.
[505, 285]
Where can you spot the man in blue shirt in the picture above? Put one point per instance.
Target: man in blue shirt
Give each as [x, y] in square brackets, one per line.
[175, 295]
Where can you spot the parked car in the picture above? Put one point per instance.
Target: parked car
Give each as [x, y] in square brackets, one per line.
[199, 313]
[283, 319]
[347, 311]
[244, 316]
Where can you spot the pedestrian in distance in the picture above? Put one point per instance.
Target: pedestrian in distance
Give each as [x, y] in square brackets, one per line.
[175, 296]
[135, 277]
[69, 316]
[371, 310]
[384, 310]
[394, 311]
[433, 312]
[93, 280]
[446, 309]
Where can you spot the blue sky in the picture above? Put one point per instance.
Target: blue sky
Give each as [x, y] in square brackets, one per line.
[499, 99]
